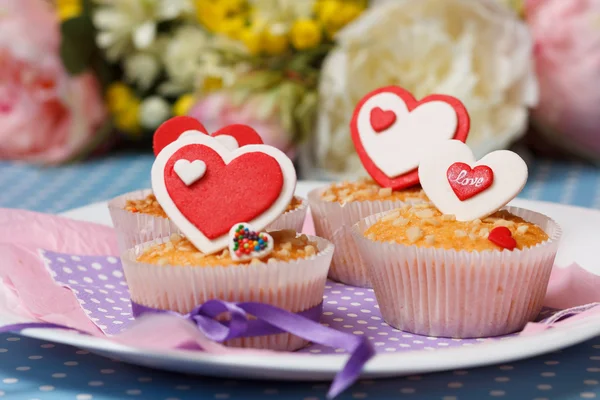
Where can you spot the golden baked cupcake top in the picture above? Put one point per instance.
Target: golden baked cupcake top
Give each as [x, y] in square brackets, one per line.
[368, 190]
[424, 226]
[149, 205]
[288, 246]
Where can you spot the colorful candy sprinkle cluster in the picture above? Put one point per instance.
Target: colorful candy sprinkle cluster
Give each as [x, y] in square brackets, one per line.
[246, 241]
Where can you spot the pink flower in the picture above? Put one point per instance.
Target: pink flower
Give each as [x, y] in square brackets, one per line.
[567, 54]
[46, 115]
[216, 111]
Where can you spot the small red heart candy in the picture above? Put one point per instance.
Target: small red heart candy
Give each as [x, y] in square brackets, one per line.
[467, 182]
[502, 237]
[381, 120]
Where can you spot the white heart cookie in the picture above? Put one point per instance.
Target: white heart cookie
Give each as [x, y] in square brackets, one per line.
[189, 172]
[398, 148]
[226, 140]
[509, 178]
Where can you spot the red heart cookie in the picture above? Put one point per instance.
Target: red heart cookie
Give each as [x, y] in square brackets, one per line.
[227, 193]
[381, 120]
[252, 184]
[237, 135]
[467, 182]
[171, 129]
[232, 136]
[390, 150]
[502, 237]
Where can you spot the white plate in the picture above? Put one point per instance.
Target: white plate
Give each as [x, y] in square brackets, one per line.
[578, 245]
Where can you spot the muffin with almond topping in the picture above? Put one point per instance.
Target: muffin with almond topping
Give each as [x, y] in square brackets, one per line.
[436, 276]
[139, 218]
[172, 274]
[339, 206]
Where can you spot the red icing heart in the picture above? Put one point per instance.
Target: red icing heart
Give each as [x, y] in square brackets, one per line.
[410, 178]
[467, 182]
[243, 134]
[381, 120]
[227, 193]
[502, 237]
[171, 129]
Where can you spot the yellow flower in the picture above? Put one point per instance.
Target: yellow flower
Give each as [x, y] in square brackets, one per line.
[275, 43]
[305, 34]
[68, 9]
[335, 14]
[212, 83]
[517, 5]
[252, 39]
[183, 104]
[128, 120]
[232, 27]
[118, 97]
[210, 14]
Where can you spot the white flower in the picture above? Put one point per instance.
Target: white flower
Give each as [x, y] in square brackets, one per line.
[154, 110]
[188, 59]
[477, 51]
[127, 24]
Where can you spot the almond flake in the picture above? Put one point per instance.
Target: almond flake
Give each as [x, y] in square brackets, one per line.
[503, 222]
[286, 246]
[329, 198]
[421, 205]
[430, 239]
[414, 233]
[162, 261]
[391, 216]
[523, 229]
[400, 222]
[413, 200]
[472, 236]
[459, 233]
[476, 222]
[176, 237]
[362, 193]
[283, 253]
[424, 214]
[255, 261]
[431, 221]
[348, 199]
[448, 217]
[344, 193]
[371, 236]
[484, 232]
[310, 250]
[385, 192]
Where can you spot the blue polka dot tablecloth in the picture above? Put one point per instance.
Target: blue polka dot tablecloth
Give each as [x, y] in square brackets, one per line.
[32, 369]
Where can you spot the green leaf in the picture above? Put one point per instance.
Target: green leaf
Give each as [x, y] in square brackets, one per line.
[77, 44]
[258, 80]
[306, 114]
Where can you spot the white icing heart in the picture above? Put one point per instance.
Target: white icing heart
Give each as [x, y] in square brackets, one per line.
[510, 176]
[398, 149]
[241, 256]
[193, 234]
[189, 172]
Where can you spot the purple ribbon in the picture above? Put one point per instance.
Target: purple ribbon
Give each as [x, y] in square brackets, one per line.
[269, 320]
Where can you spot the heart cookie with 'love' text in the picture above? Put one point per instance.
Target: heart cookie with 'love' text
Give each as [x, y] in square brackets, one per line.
[392, 131]
[458, 184]
[231, 136]
[205, 188]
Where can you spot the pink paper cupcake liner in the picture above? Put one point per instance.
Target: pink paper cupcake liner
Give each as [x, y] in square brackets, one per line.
[136, 228]
[334, 222]
[293, 286]
[460, 294]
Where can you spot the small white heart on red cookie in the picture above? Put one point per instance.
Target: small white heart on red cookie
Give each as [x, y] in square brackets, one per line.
[253, 183]
[458, 184]
[189, 172]
[392, 131]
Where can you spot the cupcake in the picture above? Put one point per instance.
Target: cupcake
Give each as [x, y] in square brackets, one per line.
[138, 217]
[172, 274]
[207, 191]
[464, 266]
[390, 130]
[339, 206]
